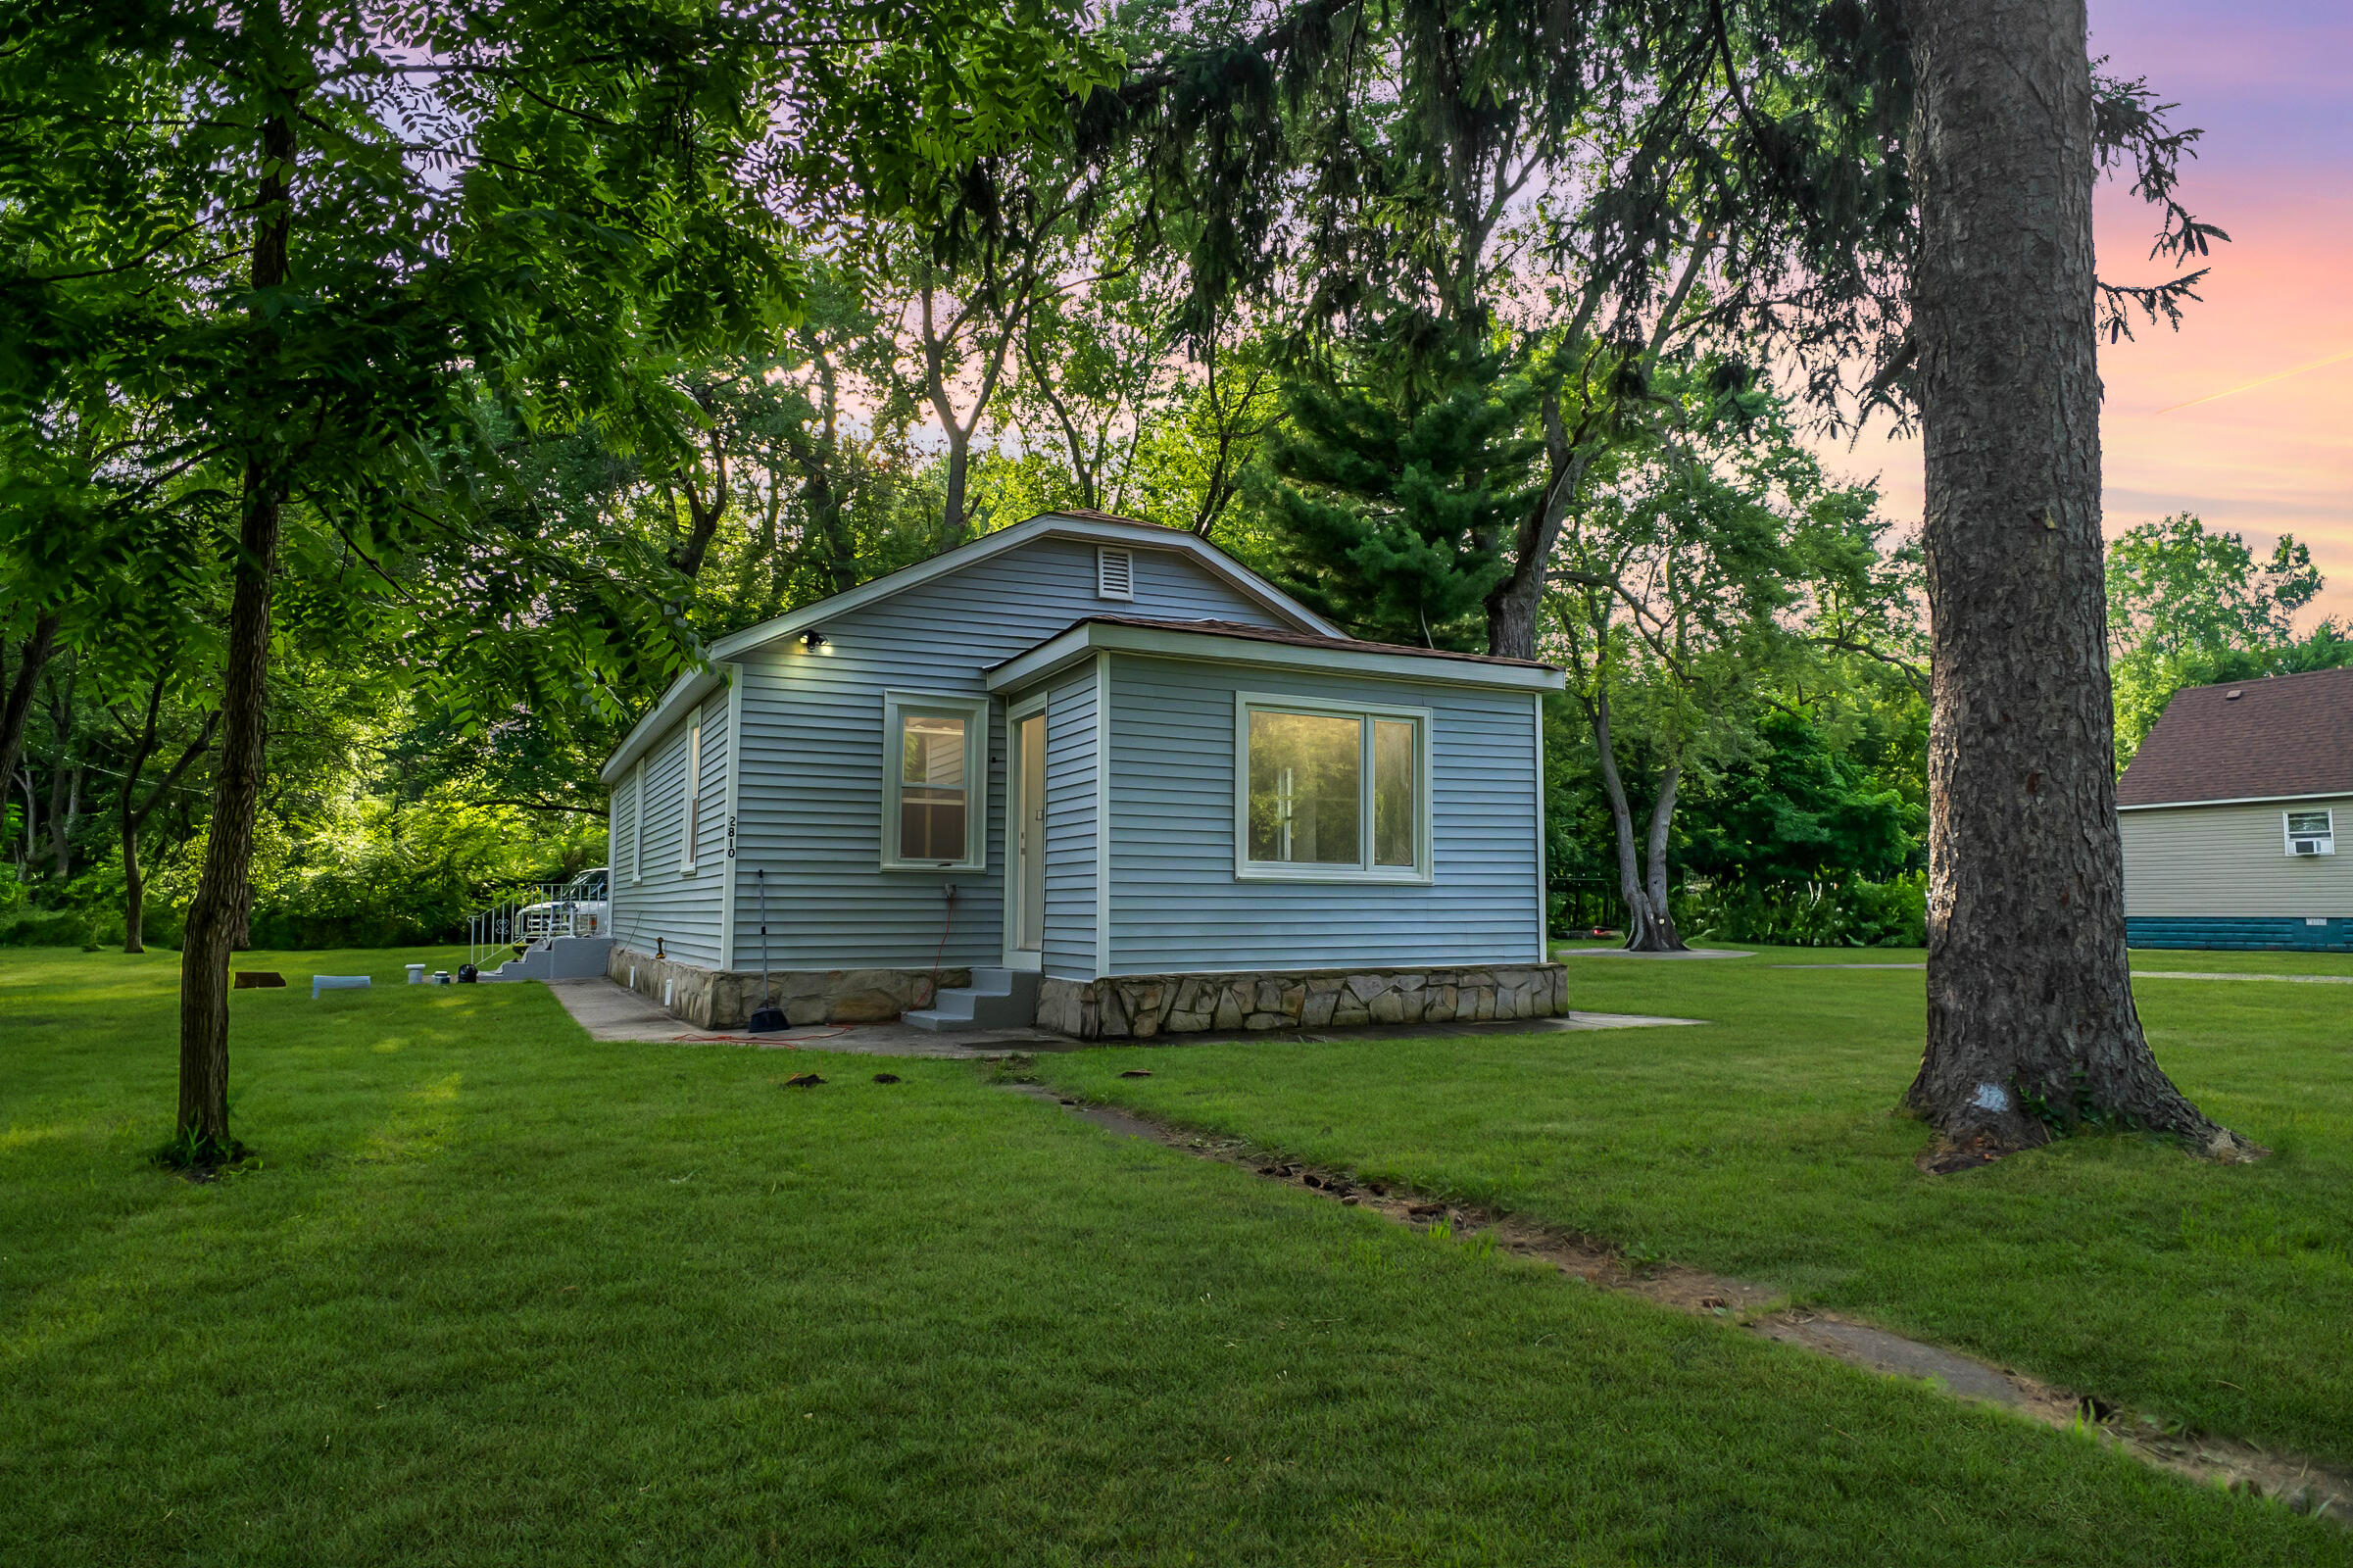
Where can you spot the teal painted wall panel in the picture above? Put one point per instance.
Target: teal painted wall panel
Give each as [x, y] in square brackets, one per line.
[2242, 933]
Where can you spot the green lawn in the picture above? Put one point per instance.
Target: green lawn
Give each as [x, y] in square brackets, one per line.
[1761, 1146]
[496, 1294]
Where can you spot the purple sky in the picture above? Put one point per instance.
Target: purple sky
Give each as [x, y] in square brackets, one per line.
[2272, 85]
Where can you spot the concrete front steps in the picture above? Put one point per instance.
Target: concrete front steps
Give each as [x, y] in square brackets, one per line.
[556, 959]
[997, 999]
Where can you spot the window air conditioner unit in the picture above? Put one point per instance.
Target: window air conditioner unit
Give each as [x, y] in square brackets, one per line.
[2311, 846]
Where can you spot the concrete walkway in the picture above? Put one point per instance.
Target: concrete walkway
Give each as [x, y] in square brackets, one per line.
[609, 1010]
[2137, 974]
[2211, 974]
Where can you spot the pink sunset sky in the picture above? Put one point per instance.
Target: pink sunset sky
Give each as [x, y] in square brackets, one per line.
[2271, 81]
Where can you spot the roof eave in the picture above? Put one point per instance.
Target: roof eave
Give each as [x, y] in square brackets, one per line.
[691, 687]
[2240, 800]
[1068, 648]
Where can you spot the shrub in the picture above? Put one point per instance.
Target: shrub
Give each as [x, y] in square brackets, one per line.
[1809, 915]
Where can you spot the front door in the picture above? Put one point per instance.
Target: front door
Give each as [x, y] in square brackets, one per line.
[1030, 852]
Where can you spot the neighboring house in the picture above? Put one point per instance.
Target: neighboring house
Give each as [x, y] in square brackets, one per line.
[1223, 811]
[2233, 812]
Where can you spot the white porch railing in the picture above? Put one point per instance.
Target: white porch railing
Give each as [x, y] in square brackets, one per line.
[536, 911]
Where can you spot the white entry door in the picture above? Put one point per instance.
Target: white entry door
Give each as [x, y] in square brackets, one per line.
[1029, 855]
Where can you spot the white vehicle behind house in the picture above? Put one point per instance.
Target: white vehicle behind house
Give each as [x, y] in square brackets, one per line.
[581, 909]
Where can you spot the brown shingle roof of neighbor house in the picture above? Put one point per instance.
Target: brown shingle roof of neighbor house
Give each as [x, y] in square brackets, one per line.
[2263, 739]
[1296, 639]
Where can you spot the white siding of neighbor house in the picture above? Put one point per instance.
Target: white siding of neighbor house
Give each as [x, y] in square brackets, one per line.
[1068, 950]
[810, 755]
[2190, 861]
[1176, 904]
[679, 907]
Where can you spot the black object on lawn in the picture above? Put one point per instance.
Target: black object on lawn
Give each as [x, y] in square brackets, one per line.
[767, 1017]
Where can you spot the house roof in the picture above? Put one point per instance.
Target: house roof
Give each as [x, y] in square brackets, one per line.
[2283, 737]
[1094, 528]
[1237, 642]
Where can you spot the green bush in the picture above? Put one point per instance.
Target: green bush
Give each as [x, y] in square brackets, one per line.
[1809, 915]
[55, 928]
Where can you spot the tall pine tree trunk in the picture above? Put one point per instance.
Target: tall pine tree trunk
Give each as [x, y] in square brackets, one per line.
[2029, 1003]
[217, 915]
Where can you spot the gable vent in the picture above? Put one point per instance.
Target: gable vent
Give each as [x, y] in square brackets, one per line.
[1114, 572]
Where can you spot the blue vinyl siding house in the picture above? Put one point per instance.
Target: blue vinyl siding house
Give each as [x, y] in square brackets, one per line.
[1088, 773]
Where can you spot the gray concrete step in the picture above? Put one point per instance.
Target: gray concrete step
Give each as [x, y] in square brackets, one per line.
[556, 959]
[997, 999]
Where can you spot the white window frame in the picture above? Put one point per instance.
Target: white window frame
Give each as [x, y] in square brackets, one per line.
[974, 710]
[637, 828]
[1104, 588]
[1247, 869]
[2289, 835]
[690, 796]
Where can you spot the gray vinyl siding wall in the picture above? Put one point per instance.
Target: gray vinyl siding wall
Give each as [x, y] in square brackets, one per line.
[811, 776]
[1176, 904]
[2193, 861]
[677, 908]
[1068, 950]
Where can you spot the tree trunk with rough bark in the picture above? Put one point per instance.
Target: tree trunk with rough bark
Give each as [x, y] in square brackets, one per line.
[2031, 1020]
[223, 892]
[134, 893]
[1650, 923]
[16, 708]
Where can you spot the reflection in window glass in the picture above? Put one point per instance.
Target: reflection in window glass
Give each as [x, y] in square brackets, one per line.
[1394, 777]
[1306, 789]
[2308, 823]
[931, 787]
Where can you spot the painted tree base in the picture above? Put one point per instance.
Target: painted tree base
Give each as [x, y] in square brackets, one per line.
[1948, 1156]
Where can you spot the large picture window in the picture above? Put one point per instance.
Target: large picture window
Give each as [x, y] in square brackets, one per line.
[1331, 791]
[935, 781]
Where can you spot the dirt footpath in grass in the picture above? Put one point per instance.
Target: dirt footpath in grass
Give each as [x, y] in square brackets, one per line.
[2307, 1487]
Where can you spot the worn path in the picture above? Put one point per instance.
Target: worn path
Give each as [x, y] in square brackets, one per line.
[2307, 1487]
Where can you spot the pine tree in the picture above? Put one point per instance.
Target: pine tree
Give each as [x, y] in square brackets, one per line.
[1395, 503]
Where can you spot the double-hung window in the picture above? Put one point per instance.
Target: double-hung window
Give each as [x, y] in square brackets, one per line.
[2310, 832]
[1329, 791]
[935, 781]
[691, 794]
[637, 827]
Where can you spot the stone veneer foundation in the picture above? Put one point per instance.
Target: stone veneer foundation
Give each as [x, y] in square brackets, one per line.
[723, 999]
[1140, 1007]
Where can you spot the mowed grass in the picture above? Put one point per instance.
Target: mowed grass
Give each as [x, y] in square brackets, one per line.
[500, 1295]
[1762, 1144]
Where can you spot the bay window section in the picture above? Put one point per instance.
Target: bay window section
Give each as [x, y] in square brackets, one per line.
[1329, 793]
[935, 756]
